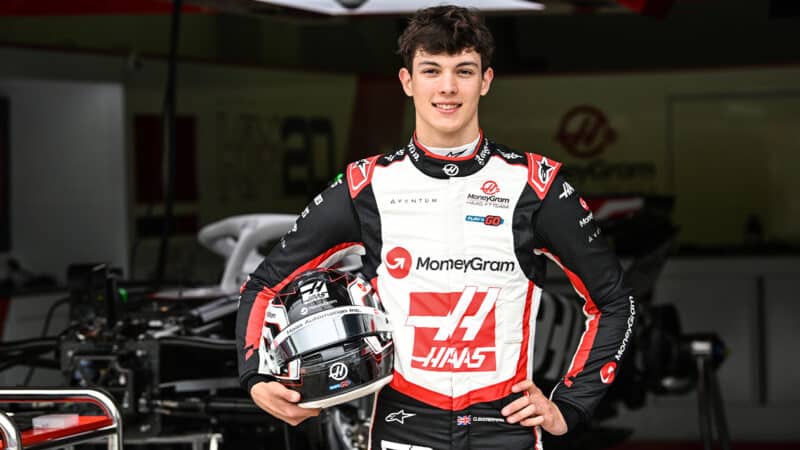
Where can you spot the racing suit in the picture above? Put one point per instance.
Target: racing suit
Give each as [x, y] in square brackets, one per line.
[456, 248]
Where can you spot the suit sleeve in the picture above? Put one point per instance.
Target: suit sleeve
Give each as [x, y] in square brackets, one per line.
[325, 231]
[567, 234]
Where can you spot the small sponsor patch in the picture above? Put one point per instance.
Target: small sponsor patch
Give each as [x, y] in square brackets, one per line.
[608, 372]
[492, 221]
[399, 416]
[314, 291]
[342, 385]
[490, 187]
[567, 190]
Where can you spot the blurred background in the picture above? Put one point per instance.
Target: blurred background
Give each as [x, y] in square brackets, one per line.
[127, 126]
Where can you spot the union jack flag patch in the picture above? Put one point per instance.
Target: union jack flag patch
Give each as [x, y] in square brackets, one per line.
[463, 421]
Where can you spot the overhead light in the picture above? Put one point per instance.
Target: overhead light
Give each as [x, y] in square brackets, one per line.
[399, 7]
[351, 4]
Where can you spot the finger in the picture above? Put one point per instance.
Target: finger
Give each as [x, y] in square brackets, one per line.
[516, 405]
[522, 386]
[287, 394]
[522, 414]
[532, 421]
[297, 414]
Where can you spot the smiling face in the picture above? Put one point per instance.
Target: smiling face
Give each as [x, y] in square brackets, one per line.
[446, 90]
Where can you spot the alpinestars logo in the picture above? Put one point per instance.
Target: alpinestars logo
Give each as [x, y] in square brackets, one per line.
[461, 339]
[545, 169]
[359, 174]
[542, 172]
[399, 416]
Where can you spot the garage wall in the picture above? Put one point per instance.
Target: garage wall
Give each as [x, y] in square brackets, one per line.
[724, 296]
[67, 187]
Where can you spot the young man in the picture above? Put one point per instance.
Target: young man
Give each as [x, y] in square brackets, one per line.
[454, 230]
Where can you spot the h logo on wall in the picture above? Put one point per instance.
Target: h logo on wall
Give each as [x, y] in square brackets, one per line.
[585, 131]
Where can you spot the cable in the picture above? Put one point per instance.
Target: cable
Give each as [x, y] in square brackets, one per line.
[45, 328]
[170, 149]
[199, 342]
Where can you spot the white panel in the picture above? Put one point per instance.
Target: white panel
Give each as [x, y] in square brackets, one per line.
[724, 305]
[334, 7]
[783, 355]
[68, 201]
[720, 295]
[752, 145]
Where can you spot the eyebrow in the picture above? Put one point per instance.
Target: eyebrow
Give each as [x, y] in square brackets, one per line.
[461, 64]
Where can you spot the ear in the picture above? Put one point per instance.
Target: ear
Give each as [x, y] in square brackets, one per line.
[405, 81]
[486, 80]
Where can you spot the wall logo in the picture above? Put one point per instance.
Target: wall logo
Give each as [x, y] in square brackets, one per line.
[585, 132]
[460, 339]
[608, 372]
[490, 187]
[338, 372]
[398, 262]
[450, 170]
[399, 416]
[492, 221]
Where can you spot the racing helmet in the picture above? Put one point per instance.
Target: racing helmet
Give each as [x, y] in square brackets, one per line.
[327, 337]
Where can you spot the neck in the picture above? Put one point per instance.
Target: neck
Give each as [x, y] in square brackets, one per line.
[443, 139]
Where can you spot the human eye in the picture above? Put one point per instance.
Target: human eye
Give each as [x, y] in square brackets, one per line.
[466, 72]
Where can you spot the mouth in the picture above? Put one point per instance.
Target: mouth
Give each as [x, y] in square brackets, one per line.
[446, 107]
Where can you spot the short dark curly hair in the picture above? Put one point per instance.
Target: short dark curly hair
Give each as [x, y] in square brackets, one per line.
[446, 29]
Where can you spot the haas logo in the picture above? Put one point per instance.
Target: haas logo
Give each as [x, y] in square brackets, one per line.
[398, 262]
[490, 188]
[454, 339]
[585, 131]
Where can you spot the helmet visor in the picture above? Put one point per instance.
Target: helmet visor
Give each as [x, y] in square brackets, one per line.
[325, 329]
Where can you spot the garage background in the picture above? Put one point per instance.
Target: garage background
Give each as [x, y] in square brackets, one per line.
[693, 99]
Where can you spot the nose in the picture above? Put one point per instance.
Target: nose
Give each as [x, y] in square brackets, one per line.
[449, 84]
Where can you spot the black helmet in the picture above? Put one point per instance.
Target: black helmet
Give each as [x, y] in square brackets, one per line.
[327, 337]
